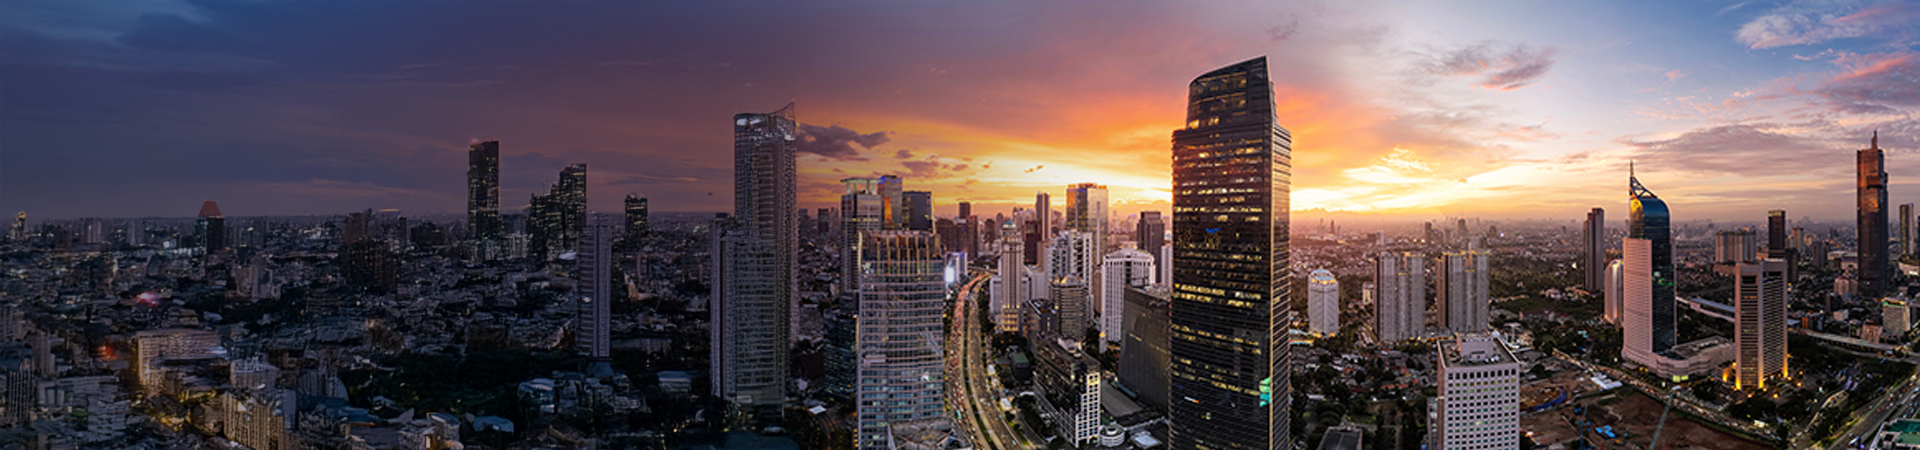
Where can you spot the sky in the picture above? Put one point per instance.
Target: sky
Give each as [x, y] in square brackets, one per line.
[1412, 110]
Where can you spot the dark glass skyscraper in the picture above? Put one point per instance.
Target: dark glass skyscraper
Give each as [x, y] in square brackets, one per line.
[918, 206]
[483, 190]
[1872, 171]
[1648, 219]
[636, 216]
[1151, 233]
[1596, 250]
[1232, 166]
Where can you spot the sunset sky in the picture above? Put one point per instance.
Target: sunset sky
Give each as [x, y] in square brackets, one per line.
[1417, 110]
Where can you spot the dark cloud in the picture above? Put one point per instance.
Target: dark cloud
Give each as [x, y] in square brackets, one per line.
[1496, 65]
[903, 154]
[837, 142]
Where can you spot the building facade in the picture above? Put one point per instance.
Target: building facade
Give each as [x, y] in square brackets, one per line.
[1872, 218]
[1479, 404]
[1463, 293]
[483, 190]
[1400, 284]
[902, 299]
[1760, 323]
[759, 255]
[1151, 233]
[1323, 303]
[1231, 293]
[1122, 269]
[1594, 243]
[594, 308]
[1143, 356]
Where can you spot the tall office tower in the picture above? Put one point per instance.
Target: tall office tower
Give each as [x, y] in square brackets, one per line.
[1479, 402]
[594, 309]
[1400, 285]
[1906, 229]
[1143, 355]
[969, 230]
[1087, 212]
[1783, 244]
[1069, 380]
[483, 190]
[918, 208]
[892, 213]
[554, 219]
[636, 216]
[1323, 303]
[1462, 292]
[1647, 278]
[1124, 268]
[1614, 309]
[1074, 304]
[759, 252]
[1760, 323]
[826, 218]
[902, 370]
[1011, 295]
[1872, 171]
[861, 211]
[1043, 215]
[1231, 302]
[1151, 233]
[1595, 244]
[211, 227]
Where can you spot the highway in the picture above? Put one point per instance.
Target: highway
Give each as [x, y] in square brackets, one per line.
[1864, 422]
[980, 400]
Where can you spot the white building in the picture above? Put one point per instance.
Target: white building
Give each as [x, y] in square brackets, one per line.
[1400, 282]
[1463, 290]
[1760, 323]
[1323, 303]
[1479, 403]
[1127, 267]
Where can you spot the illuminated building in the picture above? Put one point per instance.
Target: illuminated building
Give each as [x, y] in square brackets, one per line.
[1648, 272]
[483, 190]
[1232, 169]
[892, 201]
[636, 209]
[918, 206]
[1760, 323]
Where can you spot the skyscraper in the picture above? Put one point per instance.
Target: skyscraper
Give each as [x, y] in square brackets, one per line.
[483, 190]
[969, 230]
[1462, 290]
[1010, 295]
[1151, 233]
[594, 310]
[1400, 282]
[1072, 254]
[892, 212]
[1906, 229]
[1479, 401]
[902, 372]
[1783, 244]
[1074, 303]
[1043, 215]
[1595, 244]
[759, 254]
[1323, 303]
[862, 210]
[1872, 218]
[1760, 323]
[1647, 273]
[918, 206]
[555, 218]
[1231, 301]
[636, 216]
[1122, 269]
[1614, 310]
[211, 227]
[1143, 357]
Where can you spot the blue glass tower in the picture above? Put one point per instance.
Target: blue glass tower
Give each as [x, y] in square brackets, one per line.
[1648, 219]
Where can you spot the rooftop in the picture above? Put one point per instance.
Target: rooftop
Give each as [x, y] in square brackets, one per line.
[1476, 349]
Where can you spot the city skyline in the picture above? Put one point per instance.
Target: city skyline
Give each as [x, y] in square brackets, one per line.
[1419, 118]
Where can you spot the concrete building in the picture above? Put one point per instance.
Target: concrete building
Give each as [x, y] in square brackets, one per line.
[758, 258]
[594, 307]
[1323, 303]
[1009, 285]
[861, 211]
[1070, 381]
[1071, 299]
[1462, 290]
[1479, 402]
[157, 347]
[902, 305]
[1087, 213]
[1150, 233]
[1896, 319]
[1760, 323]
[1122, 269]
[1614, 296]
[1400, 282]
[1735, 246]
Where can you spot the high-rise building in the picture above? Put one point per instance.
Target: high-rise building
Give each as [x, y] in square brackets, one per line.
[636, 216]
[367, 261]
[902, 369]
[483, 190]
[1143, 356]
[594, 309]
[1069, 380]
[1479, 404]
[1783, 244]
[861, 211]
[1735, 246]
[1231, 292]
[1760, 323]
[1009, 288]
[1614, 309]
[759, 252]
[1400, 284]
[1073, 253]
[1462, 290]
[1074, 305]
[555, 218]
[1124, 268]
[1906, 229]
[1043, 214]
[1648, 275]
[1896, 318]
[1323, 303]
[893, 202]
[969, 230]
[1164, 261]
[1872, 218]
[1595, 243]
[918, 206]
[1151, 233]
[1087, 212]
[210, 228]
